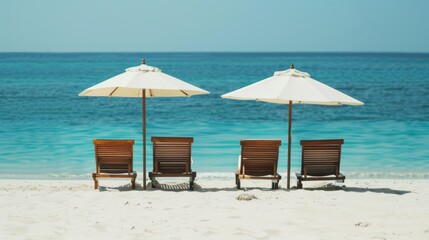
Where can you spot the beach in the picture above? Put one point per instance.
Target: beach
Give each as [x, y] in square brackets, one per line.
[166, 89]
[47, 151]
[72, 209]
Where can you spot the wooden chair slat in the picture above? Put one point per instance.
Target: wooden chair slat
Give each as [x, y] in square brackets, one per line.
[320, 160]
[259, 160]
[172, 158]
[113, 159]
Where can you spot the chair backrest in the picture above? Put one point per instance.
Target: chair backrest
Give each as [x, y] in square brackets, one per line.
[172, 154]
[113, 156]
[321, 157]
[259, 157]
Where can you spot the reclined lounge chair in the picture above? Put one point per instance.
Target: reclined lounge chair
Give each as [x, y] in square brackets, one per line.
[172, 158]
[114, 159]
[258, 160]
[320, 161]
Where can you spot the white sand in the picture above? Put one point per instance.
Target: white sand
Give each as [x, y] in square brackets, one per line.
[364, 209]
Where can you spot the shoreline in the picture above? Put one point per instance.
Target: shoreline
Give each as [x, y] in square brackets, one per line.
[230, 175]
[180, 184]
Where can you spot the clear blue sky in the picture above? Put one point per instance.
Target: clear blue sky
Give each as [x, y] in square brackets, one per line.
[216, 25]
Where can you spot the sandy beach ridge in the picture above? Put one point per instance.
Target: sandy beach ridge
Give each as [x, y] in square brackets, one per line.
[72, 209]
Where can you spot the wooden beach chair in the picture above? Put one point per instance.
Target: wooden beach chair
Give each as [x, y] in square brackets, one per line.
[172, 158]
[320, 161]
[114, 159]
[258, 160]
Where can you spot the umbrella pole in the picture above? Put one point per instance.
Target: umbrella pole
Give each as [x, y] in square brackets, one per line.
[289, 144]
[144, 136]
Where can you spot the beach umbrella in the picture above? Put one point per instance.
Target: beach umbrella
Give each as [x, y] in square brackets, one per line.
[143, 82]
[292, 87]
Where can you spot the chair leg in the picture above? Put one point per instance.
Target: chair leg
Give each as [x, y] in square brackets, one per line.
[133, 183]
[95, 181]
[152, 182]
[237, 181]
[299, 184]
[191, 184]
[273, 185]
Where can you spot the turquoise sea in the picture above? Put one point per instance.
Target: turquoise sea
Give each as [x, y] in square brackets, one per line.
[46, 130]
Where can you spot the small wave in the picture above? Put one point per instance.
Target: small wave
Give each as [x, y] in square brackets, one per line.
[61, 176]
[388, 175]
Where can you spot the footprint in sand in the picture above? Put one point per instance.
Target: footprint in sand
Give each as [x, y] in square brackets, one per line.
[362, 224]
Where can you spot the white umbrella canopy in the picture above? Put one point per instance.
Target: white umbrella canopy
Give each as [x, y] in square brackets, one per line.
[132, 82]
[292, 87]
[143, 81]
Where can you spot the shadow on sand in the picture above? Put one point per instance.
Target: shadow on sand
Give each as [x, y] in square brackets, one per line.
[376, 190]
[175, 187]
[184, 186]
[332, 187]
[122, 188]
[197, 188]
